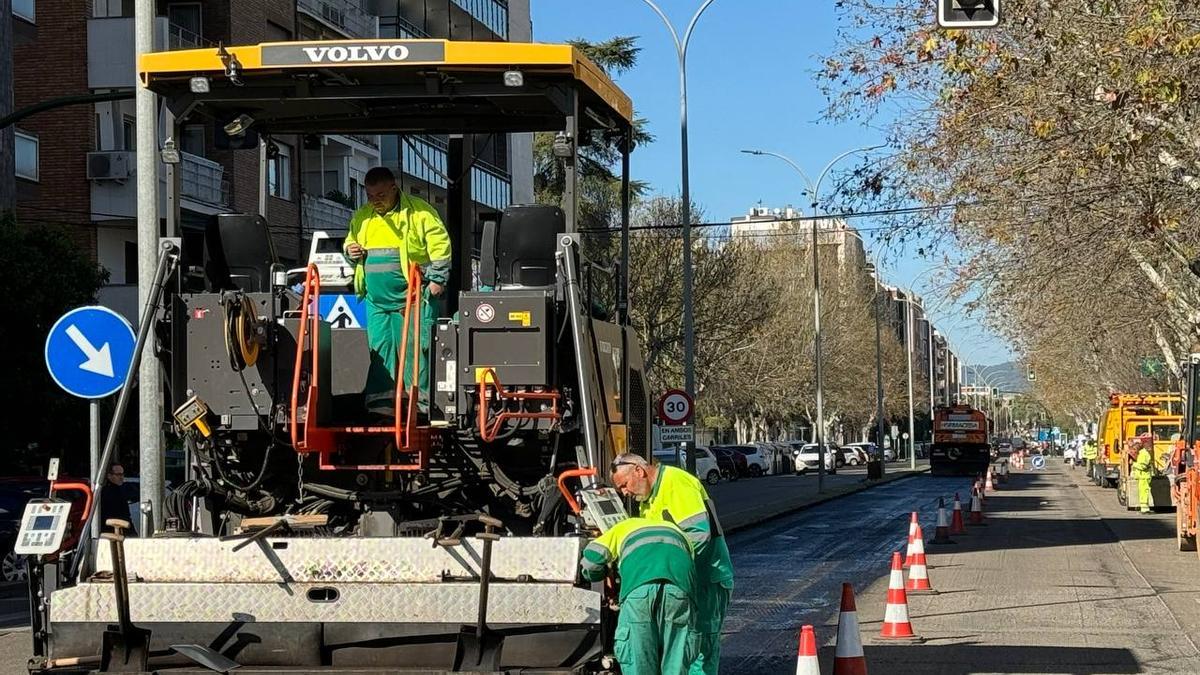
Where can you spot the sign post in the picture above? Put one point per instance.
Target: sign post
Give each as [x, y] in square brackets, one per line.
[675, 408]
[88, 352]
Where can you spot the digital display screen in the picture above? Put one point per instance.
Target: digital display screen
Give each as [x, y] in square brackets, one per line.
[609, 508]
[330, 245]
[43, 523]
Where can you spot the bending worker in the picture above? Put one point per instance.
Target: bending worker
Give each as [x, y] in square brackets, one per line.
[1141, 470]
[392, 230]
[674, 495]
[657, 577]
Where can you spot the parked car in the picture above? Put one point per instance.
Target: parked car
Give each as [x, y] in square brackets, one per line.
[757, 463]
[806, 458]
[857, 454]
[707, 468]
[737, 464]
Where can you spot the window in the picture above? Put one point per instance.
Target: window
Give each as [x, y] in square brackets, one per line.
[26, 149]
[131, 262]
[191, 139]
[129, 132]
[279, 173]
[24, 9]
[186, 15]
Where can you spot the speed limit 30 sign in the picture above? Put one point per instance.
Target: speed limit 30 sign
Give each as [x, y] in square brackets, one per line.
[675, 406]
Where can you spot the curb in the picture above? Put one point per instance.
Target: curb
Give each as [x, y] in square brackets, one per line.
[761, 518]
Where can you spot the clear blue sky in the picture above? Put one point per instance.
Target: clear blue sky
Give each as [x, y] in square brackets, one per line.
[750, 85]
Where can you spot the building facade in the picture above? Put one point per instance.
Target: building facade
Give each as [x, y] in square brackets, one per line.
[75, 165]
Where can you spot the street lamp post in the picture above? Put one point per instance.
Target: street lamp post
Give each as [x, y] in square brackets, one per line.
[908, 337]
[689, 332]
[813, 191]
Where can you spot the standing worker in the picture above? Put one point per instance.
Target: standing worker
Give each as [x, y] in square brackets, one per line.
[387, 234]
[1089, 456]
[112, 500]
[657, 577]
[672, 494]
[1141, 471]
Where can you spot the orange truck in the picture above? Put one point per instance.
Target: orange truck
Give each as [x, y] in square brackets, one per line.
[960, 441]
[1132, 416]
[1186, 462]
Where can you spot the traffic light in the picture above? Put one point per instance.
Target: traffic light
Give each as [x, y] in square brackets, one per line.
[968, 13]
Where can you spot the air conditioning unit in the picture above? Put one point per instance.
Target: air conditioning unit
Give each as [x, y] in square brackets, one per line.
[110, 165]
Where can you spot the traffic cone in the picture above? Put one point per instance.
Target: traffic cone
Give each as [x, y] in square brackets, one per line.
[956, 522]
[849, 659]
[918, 574]
[989, 486]
[942, 534]
[912, 531]
[896, 625]
[806, 660]
[977, 510]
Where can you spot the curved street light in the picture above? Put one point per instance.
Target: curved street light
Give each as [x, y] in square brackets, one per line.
[813, 191]
[689, 331]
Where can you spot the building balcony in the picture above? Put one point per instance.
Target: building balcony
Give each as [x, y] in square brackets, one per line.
[320, 214]
[203, 180]
[345, 16]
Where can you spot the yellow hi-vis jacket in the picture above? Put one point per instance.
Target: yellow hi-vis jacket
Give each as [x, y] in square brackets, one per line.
[1089, 450]
[413, 227]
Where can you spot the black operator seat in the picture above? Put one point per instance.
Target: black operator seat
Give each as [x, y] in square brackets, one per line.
[240, 253]
[518, 251]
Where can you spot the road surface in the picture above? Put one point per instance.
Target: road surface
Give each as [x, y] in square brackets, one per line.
[1061, 580]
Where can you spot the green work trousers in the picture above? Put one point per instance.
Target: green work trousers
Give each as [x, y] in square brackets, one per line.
[654, 635]
[712, 601]
[1143, 483]
[386, 290]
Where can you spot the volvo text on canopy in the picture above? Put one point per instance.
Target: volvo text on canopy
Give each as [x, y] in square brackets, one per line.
[310, 537]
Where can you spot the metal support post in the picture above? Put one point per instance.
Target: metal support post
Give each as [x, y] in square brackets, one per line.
[879, 379]
[908, 338]
[689, 332]
[150, 413]
[94, 450]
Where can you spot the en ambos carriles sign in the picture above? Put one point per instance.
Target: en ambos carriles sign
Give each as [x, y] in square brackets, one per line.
[317, 53]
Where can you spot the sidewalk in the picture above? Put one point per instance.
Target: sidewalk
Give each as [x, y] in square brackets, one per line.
[750, 501]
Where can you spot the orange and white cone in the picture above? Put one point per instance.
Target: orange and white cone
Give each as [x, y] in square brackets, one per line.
[918, 574]
[989, 486]
[896, 625]
[912, 532]
[977, 510]
[806, 660]
[942, 534]
[956, 521]
[849, 658]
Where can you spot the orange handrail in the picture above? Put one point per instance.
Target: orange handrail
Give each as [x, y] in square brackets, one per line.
[81, 487]
[412, 318]
[312, 291]
[562, 487]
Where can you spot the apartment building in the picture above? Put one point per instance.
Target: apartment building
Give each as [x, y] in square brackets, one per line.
[75, 165]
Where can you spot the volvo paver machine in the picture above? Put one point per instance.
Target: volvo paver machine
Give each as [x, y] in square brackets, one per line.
[310, 537]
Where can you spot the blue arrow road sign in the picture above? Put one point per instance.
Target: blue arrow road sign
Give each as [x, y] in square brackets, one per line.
[88, 351]
[1039, 462]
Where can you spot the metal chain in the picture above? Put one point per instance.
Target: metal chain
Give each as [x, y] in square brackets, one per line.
[299, 477]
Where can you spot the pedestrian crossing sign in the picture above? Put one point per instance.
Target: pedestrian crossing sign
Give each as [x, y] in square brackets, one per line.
[343, 311]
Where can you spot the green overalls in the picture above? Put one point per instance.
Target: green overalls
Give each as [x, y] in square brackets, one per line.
[410, 232]
[680, 498]
[1141, 473]
[654, 561]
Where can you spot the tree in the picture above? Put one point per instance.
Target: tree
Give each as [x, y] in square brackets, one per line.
[43, 273]
[1060, 158]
